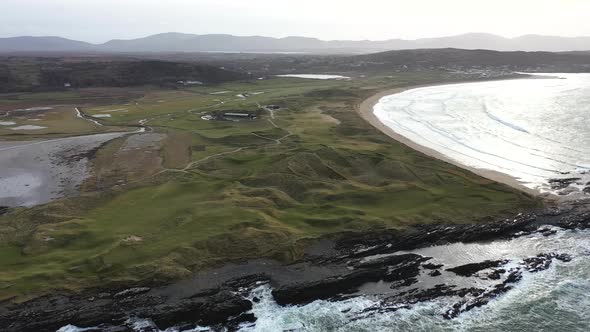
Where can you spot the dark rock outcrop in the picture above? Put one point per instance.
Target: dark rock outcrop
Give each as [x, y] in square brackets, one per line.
[209, 311]
[434, 273]
[325, 289]
[431, 266]
[496, 274]
[352, 261]
[372, 243]
[557, 184]
[397, 268]
[531, 264]
[110, 313]
[468, 270]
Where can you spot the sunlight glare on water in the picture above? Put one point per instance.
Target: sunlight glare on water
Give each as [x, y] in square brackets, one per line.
[551, 300]
[532, 129]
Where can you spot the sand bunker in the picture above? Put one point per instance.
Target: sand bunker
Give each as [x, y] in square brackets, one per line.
[27, 127]
[114, 111]
[317, 76]
[39, 109]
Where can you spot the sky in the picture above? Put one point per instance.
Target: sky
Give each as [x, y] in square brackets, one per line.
[98, 21]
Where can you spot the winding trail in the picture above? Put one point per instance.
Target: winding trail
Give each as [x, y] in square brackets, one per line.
[86, 117]
[144, 127]
[193, 163]
[272, 117]
[190, 165]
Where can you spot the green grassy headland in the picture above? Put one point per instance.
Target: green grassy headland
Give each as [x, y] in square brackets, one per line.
[224, 191]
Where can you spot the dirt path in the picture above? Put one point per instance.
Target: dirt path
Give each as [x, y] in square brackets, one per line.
[193, 163]
[86, 117]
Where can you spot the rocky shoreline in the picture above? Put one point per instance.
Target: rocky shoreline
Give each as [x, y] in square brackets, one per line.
[335, 268]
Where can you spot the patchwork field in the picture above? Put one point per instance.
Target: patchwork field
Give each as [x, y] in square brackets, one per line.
[191, 193]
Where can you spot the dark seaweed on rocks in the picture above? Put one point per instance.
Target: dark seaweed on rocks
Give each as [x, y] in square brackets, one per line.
[469, 297]
[110, 313]
[371, 243]
[213, 310]
[431, 266]
[468, 270]
[403, 268]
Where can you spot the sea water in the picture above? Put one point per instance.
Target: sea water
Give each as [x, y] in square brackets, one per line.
[532, 129]
[555, 299]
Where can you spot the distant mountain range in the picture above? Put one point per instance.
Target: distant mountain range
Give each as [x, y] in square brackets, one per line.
[179, 42]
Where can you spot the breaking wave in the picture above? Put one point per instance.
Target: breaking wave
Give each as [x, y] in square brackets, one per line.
[535, 130]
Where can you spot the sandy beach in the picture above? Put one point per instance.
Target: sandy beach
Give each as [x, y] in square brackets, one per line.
[365, 110]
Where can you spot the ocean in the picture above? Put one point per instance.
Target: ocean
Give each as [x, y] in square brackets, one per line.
[555, 299]
[535, 130]
[552, 300]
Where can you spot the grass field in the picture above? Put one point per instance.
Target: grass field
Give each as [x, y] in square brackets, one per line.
[224, 191]
[59, 121]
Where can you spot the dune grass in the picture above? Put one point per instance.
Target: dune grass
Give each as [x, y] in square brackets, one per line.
[245, 195]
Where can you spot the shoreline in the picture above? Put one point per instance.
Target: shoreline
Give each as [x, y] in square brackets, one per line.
[333, 270]
[366, 111]
[216, 295]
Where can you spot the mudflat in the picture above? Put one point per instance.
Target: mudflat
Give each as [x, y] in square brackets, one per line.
[36, 172]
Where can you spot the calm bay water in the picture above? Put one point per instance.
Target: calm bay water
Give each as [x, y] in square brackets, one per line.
[532, 129]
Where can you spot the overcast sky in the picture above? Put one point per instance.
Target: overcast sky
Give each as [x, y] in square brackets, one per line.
[102, 20]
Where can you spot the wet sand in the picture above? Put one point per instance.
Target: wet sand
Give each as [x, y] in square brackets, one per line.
[365, 110]
[37, 172]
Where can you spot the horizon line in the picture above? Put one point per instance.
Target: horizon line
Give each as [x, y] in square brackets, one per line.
[293, 36]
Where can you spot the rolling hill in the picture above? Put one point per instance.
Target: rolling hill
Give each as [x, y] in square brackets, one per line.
[179, 42]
